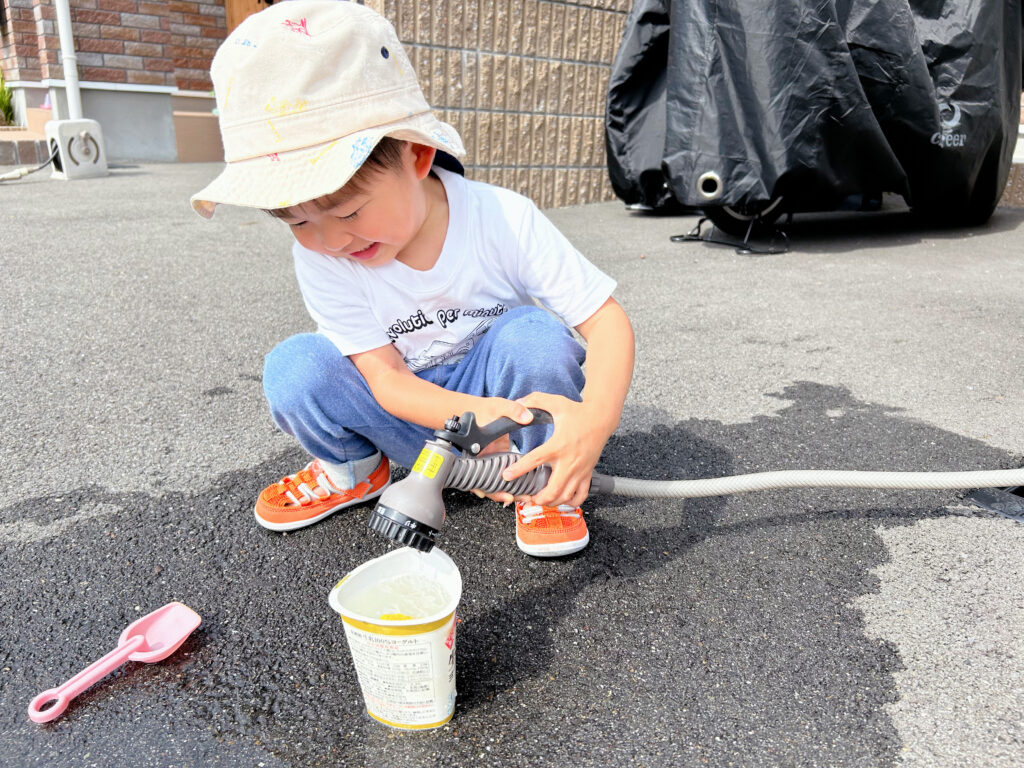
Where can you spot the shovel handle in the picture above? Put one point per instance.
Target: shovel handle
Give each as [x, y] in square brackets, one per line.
[41, 710]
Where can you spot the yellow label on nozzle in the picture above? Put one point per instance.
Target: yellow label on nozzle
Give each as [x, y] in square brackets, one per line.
[428, 463]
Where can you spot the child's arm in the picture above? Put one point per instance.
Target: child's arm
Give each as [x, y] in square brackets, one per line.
[582, 429]
[404, 395]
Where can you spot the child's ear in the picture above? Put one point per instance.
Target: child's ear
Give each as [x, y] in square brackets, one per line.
[423, 159]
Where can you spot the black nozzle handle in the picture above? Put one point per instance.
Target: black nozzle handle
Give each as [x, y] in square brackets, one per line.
[464, 433]
[505, 425]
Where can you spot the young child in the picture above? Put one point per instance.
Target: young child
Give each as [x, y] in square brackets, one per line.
[420, 281]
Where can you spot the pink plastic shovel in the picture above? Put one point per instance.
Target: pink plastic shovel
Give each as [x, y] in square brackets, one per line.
[152, 638]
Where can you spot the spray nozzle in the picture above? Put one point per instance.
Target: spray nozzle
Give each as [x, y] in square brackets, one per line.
[401, 528]
[411, 511]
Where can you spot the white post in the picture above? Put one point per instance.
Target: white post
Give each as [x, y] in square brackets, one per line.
[69, 59]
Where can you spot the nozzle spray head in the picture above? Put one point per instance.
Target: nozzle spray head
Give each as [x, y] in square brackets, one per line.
[411, 511]
[401, 528]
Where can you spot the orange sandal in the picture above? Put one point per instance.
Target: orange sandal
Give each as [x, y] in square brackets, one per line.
[308, 496]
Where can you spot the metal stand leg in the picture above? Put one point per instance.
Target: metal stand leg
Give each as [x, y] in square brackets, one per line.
[746, 247]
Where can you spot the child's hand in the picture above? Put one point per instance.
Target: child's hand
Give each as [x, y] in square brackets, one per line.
[572, 451]
[492, 409]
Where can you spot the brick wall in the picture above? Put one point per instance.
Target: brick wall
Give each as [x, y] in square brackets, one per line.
[122, 41]
[524, 82]
[197, 28]
[19, 55]
[117, 41]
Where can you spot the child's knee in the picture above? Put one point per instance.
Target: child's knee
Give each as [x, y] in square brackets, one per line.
[529, 326]
[538, 349]
[538, 335]
[299, 366]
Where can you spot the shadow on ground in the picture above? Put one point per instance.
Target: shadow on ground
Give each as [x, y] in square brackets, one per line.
[853, 232]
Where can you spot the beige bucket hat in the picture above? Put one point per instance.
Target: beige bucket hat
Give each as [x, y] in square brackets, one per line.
[305, 91]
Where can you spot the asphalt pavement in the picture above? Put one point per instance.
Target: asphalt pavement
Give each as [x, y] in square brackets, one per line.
[783, 628]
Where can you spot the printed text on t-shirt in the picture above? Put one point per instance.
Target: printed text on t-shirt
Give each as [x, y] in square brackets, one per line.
[445, 316]
[412, 323]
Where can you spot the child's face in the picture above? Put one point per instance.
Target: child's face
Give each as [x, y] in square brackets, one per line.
[373, 226]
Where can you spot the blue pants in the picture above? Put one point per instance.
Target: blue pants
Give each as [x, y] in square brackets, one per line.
[319, 397]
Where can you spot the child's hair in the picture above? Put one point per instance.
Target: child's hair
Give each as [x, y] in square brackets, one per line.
[386, 156]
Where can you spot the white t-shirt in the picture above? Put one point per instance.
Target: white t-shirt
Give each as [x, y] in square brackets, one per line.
[500, 251]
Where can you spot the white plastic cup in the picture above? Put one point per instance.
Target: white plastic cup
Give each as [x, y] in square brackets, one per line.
[406, 667]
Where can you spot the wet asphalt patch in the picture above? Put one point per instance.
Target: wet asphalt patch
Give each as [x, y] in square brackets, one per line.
[711, 631]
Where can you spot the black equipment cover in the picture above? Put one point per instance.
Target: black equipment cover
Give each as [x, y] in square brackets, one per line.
[815, 101]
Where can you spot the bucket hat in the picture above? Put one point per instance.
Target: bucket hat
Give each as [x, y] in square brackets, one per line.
[305, 91]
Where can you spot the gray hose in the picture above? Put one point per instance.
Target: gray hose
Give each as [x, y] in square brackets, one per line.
[484, 474]
[803, 478]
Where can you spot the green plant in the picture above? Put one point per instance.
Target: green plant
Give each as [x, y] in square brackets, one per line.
[6, 103]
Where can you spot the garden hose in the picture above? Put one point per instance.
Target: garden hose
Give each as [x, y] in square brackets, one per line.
[411, 511]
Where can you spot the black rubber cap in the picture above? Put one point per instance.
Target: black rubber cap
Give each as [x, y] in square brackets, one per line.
[401, 529]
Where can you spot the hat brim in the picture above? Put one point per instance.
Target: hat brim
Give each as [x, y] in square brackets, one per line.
[288, 178]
